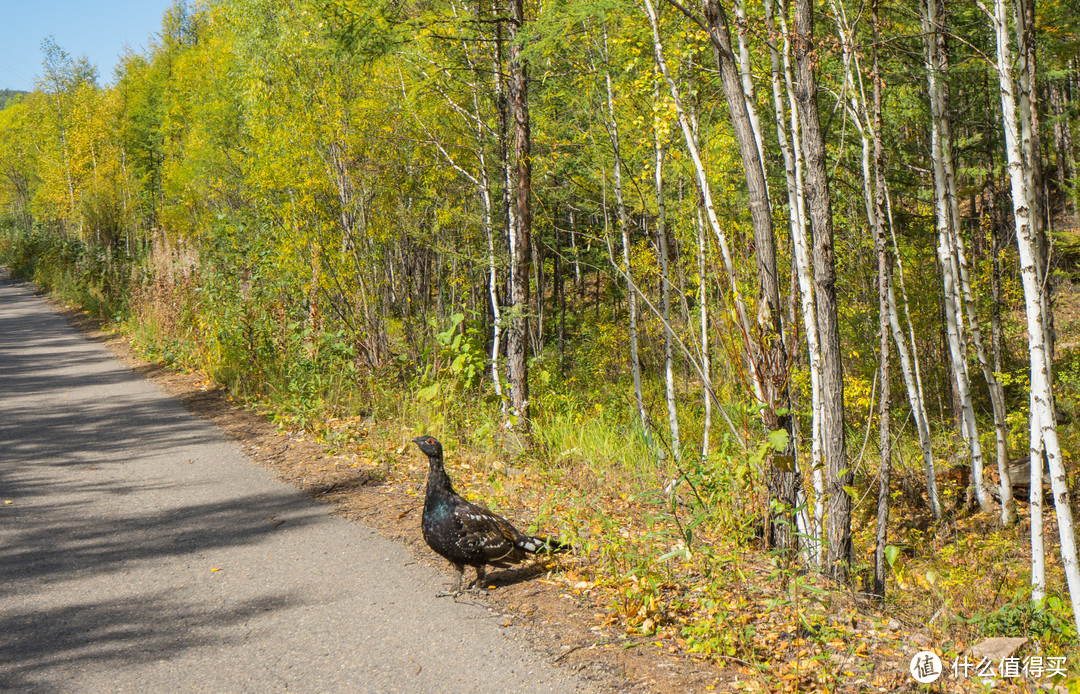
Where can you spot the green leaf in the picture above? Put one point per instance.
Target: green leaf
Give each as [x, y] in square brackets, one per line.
[430, 393]
[672, 553]
[891, 554]
[779, 440]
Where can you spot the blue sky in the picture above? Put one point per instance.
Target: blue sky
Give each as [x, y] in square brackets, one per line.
[97, 30]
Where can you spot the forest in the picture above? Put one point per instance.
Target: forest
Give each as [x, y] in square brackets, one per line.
[701, 283]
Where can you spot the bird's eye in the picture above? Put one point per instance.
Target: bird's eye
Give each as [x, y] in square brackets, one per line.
[431, 441]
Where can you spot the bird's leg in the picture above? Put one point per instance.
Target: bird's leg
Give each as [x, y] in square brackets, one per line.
[478, 584]
[455, 590]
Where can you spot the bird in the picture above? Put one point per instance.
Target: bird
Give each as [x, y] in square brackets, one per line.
[467, 534]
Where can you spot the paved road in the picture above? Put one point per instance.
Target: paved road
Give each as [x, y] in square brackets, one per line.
[122, 505]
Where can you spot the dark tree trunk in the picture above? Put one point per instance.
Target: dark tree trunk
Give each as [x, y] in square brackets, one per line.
[1059, 141]
[517, 333]
[838, 528]
[768, 356]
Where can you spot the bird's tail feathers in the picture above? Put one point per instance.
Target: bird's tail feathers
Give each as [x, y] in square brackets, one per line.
[542, 544]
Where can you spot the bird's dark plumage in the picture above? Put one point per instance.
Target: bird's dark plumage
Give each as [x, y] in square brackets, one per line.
[467, 534]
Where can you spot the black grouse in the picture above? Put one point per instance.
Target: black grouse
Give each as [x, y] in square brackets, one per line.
[465, 533]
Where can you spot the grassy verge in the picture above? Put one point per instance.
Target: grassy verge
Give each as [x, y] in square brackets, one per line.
[667, 550]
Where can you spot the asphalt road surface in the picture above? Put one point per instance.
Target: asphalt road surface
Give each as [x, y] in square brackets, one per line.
[141, 551]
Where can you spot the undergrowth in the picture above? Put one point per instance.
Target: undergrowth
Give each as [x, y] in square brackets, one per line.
[668, 544]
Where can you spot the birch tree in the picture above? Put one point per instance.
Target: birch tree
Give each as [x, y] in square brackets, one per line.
[1042, 435]
[627, 269]
[665, 275]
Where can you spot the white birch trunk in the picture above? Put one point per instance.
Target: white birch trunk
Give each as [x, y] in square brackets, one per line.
[1043, 425]
[493, 286]
[703, 301]
[942, 213]
[506, 166]
[1035, 503]
[965, 296]
[918, 411]
[909, 366]
[699, 227]
[624, 226]
[704, 188]
[573, 245]
[665, 282]
[483, 185]
[997, 395]
[747, 80]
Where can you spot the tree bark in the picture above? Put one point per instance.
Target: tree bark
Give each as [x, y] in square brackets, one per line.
[1043, 424]
[522, 252]
[665, 281]
[838, 529]
[772, 361]
[881, 249]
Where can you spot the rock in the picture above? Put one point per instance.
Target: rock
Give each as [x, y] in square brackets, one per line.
[997, 648]
[1020, 471]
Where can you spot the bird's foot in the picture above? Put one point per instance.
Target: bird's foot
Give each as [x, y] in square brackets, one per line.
[448, 593]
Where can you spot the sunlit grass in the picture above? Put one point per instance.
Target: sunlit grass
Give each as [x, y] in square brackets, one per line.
[666, 546]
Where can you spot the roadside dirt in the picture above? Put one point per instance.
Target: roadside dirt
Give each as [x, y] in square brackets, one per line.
[380, 483]
[373, 488]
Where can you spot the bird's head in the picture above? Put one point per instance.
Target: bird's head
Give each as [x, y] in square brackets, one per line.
[430, 446]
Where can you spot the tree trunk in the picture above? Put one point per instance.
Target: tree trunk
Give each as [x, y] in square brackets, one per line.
[1043, 425]
[627, 269]
[771, 360]
[699, 227]
[747, 81]
[838, 532]
[946, 211]
[665, 282]
[966, 300]
[516, 334]
[791, 150]
[1064, 165]
[505, 167]
[881, 249]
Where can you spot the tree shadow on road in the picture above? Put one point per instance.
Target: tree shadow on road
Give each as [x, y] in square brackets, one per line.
[123, 633]
[106, 478]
